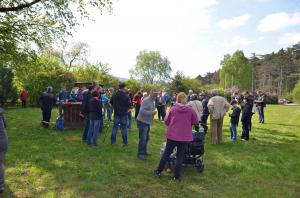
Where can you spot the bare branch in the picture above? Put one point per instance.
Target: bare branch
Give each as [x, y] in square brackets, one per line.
[19, 7]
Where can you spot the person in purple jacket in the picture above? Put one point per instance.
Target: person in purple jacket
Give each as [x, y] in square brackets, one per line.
[179, 121]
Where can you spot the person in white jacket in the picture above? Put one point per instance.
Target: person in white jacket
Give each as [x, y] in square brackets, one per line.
[217, 106]
[197, 107]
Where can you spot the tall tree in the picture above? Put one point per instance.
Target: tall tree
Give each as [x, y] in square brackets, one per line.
[236, 71]
[151, 67]
[177, 83]
[210, 78]
[76, 54]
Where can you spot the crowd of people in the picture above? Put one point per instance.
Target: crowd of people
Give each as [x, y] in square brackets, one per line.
[187, 113]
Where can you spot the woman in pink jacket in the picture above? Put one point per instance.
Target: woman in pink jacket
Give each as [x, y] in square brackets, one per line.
[180, 121]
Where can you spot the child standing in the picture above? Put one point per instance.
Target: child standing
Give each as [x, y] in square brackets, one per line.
[234, 119]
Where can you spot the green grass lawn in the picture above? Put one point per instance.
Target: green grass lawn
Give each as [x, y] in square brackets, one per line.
[44, 163]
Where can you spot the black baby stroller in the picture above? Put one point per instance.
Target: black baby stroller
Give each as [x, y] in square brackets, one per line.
[193, 154]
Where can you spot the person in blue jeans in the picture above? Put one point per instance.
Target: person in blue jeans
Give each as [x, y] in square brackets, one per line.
[84, 113]
[129, 119]
[260, 103]
[109, 106]
[121, 104]
[95, 117]
[129, 114]
[234, 119]
[144, 120]
[105, 102]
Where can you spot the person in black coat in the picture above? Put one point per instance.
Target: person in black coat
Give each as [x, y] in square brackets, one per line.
[121, 104]
[87, 95]
[205, 112]
[246, 118]
[95, 117]
[234, 119]
[47, 100]
[3, 148]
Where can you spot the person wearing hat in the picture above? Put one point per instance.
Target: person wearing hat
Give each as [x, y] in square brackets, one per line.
[121, 104]
[144, 120]
[205, 112]
[3, 148]
[217, 106]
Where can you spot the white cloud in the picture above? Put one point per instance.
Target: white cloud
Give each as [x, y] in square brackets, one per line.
[234, 22]
[290, 38]
[237, 41]
[170, 26]
[278, 21]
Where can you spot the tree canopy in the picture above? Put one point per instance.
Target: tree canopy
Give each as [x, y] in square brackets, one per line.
[236, 71]
[151, 67]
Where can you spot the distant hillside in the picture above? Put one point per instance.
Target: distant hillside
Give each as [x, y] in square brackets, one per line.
[121, 78]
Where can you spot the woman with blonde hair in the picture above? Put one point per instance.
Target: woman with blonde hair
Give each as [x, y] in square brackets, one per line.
[179, 121]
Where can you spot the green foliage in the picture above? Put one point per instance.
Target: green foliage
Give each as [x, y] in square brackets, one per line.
[8, 92]
[277, 72]
[180, 83]
[193, 83]
[296, 92]
[46, 20]
[210, 78]
[151, 67]
[98, 72]
[177, 83]
[38, 73]
[149, 87]
[236, 71]
[133, 85]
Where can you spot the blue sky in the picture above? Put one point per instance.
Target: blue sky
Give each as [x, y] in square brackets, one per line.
[193, 34]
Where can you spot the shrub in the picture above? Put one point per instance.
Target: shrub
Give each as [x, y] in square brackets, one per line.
[271, 98]
[39, 82]
[296, 92]
[8, 92]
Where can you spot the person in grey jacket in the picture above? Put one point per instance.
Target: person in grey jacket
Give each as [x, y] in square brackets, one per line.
[3, 148]
[144, 120]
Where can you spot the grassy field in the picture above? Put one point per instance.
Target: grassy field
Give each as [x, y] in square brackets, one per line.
[44, 163]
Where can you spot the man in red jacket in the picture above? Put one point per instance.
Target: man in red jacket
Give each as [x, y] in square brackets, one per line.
[23, 98]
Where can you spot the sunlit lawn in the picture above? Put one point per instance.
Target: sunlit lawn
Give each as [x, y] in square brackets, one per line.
[44, 163]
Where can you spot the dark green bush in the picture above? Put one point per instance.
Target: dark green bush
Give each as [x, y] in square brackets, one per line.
[8, 92]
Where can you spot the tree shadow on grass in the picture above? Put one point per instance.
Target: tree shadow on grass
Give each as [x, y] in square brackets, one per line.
[263, 133]
[283, 124]
[7, 193]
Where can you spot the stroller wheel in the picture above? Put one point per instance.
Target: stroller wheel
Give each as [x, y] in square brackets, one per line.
[200, 168]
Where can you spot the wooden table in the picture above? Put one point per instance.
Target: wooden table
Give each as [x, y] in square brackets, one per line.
[71, 111]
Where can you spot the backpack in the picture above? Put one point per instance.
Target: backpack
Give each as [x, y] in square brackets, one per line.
[59, 124]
